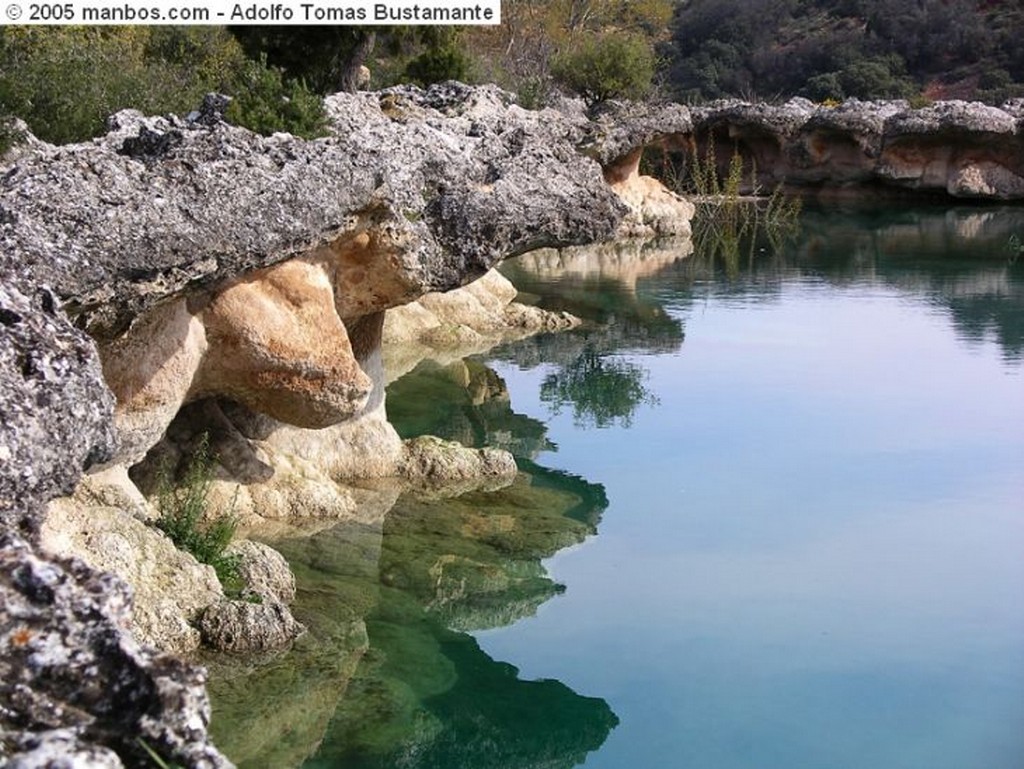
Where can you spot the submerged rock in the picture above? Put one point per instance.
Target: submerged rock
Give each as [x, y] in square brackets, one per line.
[245, 626]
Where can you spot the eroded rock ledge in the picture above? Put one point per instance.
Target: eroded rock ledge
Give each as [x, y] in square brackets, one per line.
[176, 273]
[957, 149]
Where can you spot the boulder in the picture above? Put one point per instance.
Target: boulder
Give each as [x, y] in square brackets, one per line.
[70, 676]
[245, 626]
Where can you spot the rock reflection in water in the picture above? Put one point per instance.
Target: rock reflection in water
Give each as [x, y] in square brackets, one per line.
[386, 676]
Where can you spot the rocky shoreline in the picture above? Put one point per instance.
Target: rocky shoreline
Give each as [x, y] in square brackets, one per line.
[181, 275]
[179, 279]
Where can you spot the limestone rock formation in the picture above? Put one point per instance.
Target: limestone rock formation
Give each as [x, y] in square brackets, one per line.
[245, 626]
[959, 149]
[170, 587]
[449, 326]
[246, 278]
[72, 679]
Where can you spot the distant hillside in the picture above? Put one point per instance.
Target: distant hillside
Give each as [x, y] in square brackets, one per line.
[832, 49]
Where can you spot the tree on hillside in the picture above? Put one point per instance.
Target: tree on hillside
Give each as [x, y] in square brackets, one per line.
[840, 48]
[533, 33]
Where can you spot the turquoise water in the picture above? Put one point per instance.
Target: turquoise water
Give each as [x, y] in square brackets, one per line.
[771, 516]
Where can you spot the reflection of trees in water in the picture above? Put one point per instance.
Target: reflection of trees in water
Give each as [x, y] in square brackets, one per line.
[959, 260]
[600, 387]
[602, 390]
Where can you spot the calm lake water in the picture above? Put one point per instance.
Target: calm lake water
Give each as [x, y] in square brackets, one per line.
[771, 516]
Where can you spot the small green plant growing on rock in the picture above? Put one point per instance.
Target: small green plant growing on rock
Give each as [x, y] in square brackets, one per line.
[183, 507]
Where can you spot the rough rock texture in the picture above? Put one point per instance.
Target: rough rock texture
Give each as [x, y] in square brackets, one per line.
[55, 412]
[439, 462]
[264, 571]
[244, 626]
[71, 677]
[960, 149]
[170, 587]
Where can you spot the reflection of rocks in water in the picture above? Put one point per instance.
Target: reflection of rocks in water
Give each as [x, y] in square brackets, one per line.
[601, 286]
[474, 561]
[466, 402]
[426, 696]
[592, 285]
[959, 258]
[274, 711]
[415, 686]
[475, 712]
[624, 261]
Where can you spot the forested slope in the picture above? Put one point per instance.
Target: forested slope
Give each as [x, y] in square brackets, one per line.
[832, 49]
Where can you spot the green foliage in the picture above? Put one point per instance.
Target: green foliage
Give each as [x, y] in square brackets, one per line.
[265, 103]
[319, 56]
[832, 49]
[9, 133]
[184, 517]
[65, 81]
[602, 389]
[732, 215]
[155, 757]
[606, 66]
[446, 61]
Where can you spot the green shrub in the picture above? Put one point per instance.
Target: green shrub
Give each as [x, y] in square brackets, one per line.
[183, 517]
[436, 65]
[65, 81]
[599, 67]
[265, 102]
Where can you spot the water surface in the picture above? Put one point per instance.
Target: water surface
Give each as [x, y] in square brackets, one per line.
[770, 516]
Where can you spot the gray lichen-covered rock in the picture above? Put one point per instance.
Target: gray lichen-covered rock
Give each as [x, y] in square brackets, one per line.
[161, 205]
[66, 663]
[173, 241]
[60, 748]
[959, 149]
[263, 571]
[622, 128]
[55, 411]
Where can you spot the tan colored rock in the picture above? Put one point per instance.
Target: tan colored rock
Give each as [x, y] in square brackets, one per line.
[654, 210]
[150, 370]
[625, 261]
[472, 319]
[278, 346]
[171, 588]
[985, 179]
[434, 461]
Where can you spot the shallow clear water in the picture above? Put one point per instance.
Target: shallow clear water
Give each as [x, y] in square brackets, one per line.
[772, 516]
